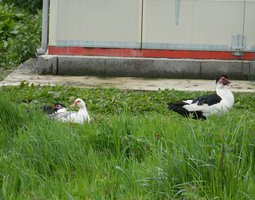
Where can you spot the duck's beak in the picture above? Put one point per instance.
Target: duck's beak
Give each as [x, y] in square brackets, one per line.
[226, 82]
[73, 105]
[55, 108]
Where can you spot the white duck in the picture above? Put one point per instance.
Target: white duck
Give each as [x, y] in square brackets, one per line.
[80, 117]
[204, 106]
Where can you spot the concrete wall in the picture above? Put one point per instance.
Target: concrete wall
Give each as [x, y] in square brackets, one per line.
[144, 67]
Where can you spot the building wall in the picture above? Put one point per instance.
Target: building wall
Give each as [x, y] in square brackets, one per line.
[176, 25]
[96, 23]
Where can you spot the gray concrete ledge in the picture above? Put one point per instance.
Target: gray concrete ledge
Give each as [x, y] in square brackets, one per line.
[26, 72]
[144, 67]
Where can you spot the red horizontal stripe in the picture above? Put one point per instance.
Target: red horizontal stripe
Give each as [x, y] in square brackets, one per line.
[149, 53]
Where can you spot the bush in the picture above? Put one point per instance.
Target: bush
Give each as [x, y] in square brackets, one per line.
[30, 5]
[19, 35]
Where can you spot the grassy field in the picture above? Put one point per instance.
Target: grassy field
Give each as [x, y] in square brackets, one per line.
[134, 148]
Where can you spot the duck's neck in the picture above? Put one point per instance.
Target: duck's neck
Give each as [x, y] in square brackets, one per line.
[84, 113]
[225, 94]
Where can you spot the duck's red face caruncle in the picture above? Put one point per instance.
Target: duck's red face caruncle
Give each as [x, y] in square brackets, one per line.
[58, 106]
[223, 80]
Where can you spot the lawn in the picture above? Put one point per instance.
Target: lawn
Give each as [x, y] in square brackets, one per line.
[133, 149]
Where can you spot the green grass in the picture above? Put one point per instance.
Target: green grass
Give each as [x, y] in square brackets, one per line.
[134, 149]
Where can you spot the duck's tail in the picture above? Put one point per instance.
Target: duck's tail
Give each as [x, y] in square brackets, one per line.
[178, 107]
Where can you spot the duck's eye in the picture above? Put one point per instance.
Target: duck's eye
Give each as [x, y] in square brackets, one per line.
[78, 101]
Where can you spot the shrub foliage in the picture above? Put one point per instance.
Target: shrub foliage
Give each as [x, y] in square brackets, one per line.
[29, 5]
[19, 34]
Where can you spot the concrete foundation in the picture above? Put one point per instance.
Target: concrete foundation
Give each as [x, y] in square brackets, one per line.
[144, 67]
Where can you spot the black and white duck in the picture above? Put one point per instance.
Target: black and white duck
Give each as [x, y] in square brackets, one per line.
[205, 106]
[56, 108]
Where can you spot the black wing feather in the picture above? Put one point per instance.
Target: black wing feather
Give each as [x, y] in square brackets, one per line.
[208, 99]
[47, 109]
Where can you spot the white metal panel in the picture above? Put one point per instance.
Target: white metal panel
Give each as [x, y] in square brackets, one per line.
[249, 25]
[53, 21]
[160, 18]
[193, 24]
[215, 22]
[99, 23]
[167, 24]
